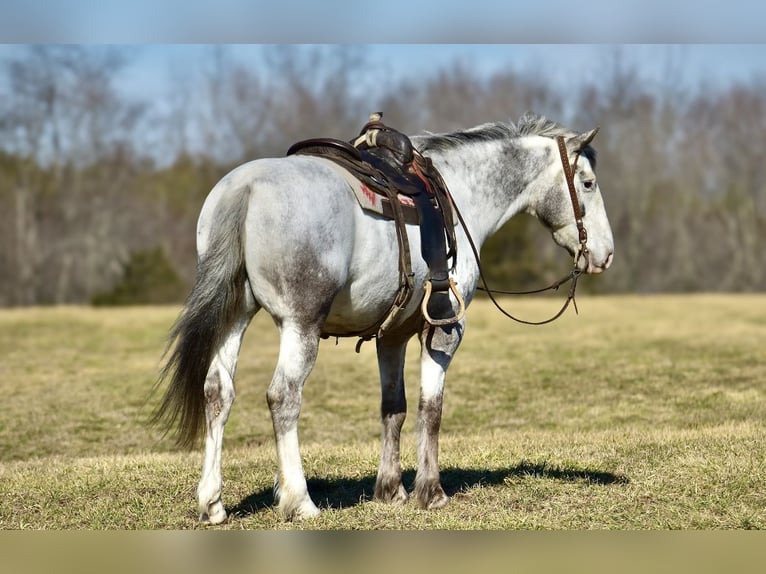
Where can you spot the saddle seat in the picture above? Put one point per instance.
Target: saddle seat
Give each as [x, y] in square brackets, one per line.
[365, 163]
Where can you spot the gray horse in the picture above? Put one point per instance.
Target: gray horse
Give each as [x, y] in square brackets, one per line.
[287, 235]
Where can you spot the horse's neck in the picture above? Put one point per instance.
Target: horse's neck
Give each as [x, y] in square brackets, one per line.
[489, 181]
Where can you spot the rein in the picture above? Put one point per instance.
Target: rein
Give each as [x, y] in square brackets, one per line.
[574, 274]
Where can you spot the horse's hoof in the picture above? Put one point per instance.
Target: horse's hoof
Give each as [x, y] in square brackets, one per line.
[303, 511]
[438, 502]
[306, 511]
[216, 515]
[301, 514]
[396, 496]
[431, 496]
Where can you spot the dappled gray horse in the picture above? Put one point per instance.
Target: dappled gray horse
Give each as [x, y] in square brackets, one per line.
[287, 235]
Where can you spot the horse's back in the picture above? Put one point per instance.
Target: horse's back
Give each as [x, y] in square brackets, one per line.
[282, 192]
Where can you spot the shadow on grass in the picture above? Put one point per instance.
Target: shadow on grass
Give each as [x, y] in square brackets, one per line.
[340, 493]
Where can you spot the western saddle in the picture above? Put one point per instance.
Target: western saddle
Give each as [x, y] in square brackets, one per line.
[391, 178]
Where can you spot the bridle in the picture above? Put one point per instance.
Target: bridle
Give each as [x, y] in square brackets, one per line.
[569, 171]
[582, 249]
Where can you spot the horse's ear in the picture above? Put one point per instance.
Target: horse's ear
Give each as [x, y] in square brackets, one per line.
[577, 143]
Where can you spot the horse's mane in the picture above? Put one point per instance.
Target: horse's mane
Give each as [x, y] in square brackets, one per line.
[528, 125]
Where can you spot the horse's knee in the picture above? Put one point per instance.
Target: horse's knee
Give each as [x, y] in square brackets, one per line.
[284, 403]
[275, 395]
[219, 393]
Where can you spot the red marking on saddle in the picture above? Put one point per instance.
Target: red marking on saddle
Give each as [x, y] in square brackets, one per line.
[369, 194]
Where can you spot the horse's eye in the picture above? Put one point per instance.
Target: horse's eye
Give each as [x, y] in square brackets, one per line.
[588, 184]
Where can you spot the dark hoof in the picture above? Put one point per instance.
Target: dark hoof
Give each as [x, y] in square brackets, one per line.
[391, 493]
[431, 496]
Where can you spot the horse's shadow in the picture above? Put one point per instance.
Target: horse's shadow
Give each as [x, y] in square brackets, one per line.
[340, 493]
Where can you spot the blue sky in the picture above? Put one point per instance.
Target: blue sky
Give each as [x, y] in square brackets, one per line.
[694, 66]
[393, 21]
[565, 42]
[151, 68]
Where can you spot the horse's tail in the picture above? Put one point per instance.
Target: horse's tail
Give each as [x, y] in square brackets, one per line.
[215, 302]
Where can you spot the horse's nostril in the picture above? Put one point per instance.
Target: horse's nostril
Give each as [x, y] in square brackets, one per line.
[608, 261]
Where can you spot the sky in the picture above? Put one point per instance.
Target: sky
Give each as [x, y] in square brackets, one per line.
[393, 21]
[699, 42]
[696, 44]
[694, 66]
[151, 67]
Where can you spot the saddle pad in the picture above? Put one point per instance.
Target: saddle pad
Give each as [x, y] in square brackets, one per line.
[373, 202]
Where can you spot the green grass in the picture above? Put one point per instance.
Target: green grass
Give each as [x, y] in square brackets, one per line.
[641, 413]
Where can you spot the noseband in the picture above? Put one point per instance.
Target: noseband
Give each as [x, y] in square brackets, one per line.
[582, 249]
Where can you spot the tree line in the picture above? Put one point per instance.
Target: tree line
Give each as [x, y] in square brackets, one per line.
[99, 192]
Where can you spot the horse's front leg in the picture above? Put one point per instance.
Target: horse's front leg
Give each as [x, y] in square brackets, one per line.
[438, 346]
[393, 410]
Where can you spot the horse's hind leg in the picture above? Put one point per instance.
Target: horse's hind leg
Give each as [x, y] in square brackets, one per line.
[393, 409]
[297, 354]
[219, 396]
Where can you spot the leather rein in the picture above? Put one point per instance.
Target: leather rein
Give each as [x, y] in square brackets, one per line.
[582, 251]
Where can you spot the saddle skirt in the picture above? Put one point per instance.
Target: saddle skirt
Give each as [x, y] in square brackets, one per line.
[372, 201]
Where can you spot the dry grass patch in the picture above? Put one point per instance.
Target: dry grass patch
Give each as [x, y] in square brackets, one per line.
[698, 479]
[641, 413]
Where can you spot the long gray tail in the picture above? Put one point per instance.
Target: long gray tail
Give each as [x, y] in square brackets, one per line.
[215, 302]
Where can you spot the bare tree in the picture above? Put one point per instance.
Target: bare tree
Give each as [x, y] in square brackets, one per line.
[68, 128]
[681, 170]
[260, 107]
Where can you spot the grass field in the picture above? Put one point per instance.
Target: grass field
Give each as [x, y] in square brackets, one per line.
[640, 413]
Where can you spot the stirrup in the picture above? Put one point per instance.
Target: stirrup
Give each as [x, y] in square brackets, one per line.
[441, 322]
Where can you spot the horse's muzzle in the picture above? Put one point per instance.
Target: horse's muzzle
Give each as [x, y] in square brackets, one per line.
[596, 269]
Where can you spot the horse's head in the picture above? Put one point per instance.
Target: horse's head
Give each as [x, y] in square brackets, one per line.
[553, 204]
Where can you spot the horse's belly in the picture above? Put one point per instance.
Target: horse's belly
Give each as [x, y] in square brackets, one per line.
[373, 281]
[361, 304]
